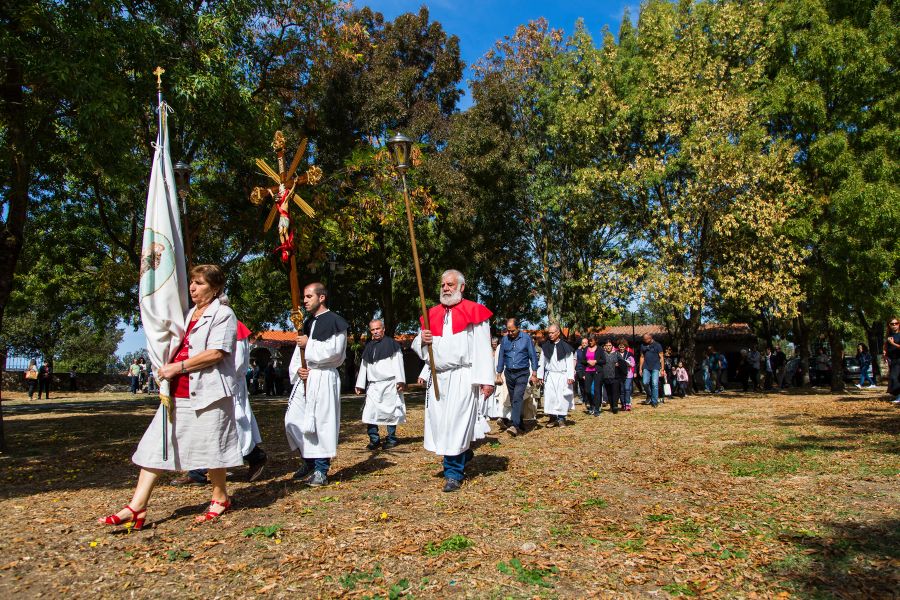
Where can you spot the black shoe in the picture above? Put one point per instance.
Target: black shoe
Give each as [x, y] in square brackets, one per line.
[373, 445]
[451, 485]
[562, 423]
[553, 423]
[388, 444]
[256, 468]
[302, 472]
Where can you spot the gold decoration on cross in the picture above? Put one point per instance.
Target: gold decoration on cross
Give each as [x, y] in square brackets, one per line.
[158, 71]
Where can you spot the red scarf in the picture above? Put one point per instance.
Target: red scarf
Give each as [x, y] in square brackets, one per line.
[464, 313]
[242, 332]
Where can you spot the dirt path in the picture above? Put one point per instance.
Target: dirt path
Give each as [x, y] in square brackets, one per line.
[729, 496]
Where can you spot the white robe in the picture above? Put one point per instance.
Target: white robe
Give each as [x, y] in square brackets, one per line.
[559, 396]
[494, 405]
[384, 404]
[464, 362]
[313, 422]
[247, 428]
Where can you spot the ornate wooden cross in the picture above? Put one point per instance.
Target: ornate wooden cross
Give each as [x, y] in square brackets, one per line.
[281, 195]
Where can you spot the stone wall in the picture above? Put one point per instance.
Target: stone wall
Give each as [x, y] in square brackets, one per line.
[14, 381]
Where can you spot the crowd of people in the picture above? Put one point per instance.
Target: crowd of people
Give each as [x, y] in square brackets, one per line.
[470, 380]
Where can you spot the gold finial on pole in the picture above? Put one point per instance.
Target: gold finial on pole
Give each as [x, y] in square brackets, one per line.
[158, 72]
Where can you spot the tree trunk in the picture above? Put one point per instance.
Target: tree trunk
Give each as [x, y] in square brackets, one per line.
[12, 234]
[836, 345]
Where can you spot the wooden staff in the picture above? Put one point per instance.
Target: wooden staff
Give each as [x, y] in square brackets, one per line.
[415, 253]
[296, 312]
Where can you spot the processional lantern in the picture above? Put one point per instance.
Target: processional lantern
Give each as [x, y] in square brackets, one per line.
[400, 148]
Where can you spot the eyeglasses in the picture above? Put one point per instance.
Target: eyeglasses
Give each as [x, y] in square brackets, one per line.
[893, 323]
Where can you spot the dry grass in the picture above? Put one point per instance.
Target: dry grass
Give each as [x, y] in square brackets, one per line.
[730, 496]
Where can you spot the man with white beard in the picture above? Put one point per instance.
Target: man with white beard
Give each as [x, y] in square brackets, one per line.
[460, 338]
[557, 370]
[382, 369]
[313, 418]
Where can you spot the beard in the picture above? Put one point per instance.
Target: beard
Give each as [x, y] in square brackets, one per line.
[451, 298]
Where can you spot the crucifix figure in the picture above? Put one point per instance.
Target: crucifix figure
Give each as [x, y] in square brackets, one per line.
[283, 192]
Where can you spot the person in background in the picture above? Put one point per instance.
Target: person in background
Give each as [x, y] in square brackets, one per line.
[73, 379]
[650, 366]
[779, 364]
[45, 375]
[628, 381]
[134, 375]
[864, 357]
[593, 378]
[518, 361]
[891, 355]
[580, 364]
[823, 367]
[681, 376]
[31, 378]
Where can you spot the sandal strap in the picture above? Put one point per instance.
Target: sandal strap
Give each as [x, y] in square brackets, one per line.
[226, 504]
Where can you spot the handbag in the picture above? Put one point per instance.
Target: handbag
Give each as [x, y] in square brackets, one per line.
[30, 374]
[667, 389]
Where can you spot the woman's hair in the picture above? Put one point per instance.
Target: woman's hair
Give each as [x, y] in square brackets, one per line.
[211, 274]
[863, 347]
[889, 326]
[622, 342]
[594, 339]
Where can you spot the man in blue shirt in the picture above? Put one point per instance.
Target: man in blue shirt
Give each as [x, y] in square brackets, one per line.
[651, 364]
[518, 359]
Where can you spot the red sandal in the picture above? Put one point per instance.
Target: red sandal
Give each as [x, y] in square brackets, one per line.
[138, 517]
[211, 515]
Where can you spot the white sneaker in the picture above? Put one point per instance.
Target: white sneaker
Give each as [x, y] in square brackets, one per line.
[871, 386]
[858, 386]
[897, 401]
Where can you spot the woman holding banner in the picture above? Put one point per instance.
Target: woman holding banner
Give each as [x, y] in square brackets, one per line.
[203, 433]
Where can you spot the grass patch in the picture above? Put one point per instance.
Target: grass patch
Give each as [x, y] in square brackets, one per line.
[564, 531]
[725, 553]
[350, 580]
[177, 555]
[679, 589]
[635, 545]
[660, 518]
[595, 503]
[455, 543]
[268, 531]
[525, 575]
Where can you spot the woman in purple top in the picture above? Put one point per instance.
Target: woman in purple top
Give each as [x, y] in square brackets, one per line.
[592, 377]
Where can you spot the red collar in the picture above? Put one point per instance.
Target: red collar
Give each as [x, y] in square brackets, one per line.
[465, 313]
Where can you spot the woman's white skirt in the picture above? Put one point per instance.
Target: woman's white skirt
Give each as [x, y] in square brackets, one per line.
[197, 439]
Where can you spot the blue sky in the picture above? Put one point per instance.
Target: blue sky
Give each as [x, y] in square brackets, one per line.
[479, 24]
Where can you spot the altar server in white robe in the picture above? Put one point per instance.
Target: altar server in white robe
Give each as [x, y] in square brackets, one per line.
[497, 406]
[313, 416]
[556, 368]
[461, 341]
[382, 378]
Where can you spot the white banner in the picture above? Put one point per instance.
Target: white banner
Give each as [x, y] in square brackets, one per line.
[163, 278]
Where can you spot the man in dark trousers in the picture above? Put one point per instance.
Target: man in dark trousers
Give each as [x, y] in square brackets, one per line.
[518, 362]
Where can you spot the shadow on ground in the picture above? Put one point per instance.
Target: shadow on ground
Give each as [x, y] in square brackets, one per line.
[849, 560]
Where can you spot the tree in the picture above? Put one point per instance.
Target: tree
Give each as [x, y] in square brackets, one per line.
[715, 192]
[834, 92]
